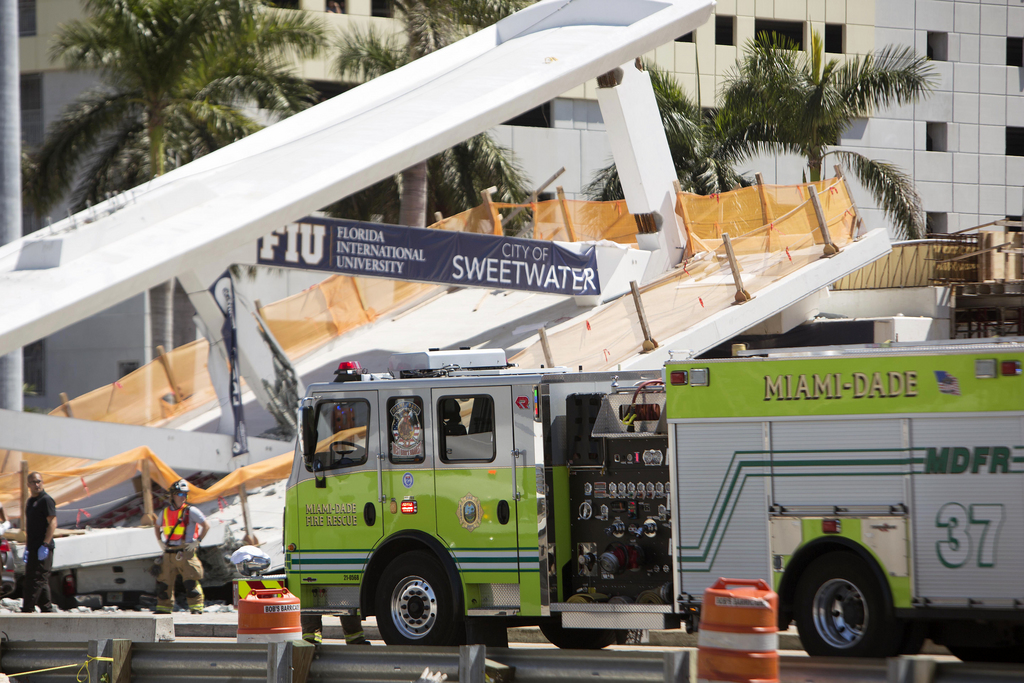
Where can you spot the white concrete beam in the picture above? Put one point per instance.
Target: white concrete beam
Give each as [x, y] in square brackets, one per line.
[49, 435]
[644, 163]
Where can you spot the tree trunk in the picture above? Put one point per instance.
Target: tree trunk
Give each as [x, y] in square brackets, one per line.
[413, 210]
[814, 165]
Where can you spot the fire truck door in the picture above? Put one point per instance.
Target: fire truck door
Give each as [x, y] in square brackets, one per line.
[408, 468]
[474, 481]
[340, 511]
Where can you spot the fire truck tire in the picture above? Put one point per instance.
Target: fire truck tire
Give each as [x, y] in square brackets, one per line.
[577, 638]
[840, 610]
[415, 605]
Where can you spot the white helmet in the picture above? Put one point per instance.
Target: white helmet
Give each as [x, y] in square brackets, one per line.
[180, 486]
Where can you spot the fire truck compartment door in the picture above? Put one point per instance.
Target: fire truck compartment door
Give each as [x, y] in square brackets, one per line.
[474, 481]
[335, 534]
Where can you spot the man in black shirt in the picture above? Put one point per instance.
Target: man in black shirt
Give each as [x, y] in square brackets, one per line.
[40, 525]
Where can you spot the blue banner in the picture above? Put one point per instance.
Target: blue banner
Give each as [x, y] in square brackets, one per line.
[438, 256]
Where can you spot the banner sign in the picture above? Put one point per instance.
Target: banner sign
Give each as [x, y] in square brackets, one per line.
[223, 292]
[438, 256]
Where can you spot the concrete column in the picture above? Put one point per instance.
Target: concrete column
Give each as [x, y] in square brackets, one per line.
[643, 160]
[11, 376]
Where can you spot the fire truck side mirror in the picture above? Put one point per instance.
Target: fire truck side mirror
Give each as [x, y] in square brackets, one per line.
[307, 431]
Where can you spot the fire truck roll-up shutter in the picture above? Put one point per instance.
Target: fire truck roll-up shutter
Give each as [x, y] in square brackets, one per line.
[721, 501]
[828, 462]
[968, 510]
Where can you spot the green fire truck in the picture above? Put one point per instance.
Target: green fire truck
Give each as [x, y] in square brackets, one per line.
[880, 490]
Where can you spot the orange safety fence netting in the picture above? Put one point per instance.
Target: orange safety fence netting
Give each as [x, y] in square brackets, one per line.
[567, 220]
[704, 284]
[67, 485]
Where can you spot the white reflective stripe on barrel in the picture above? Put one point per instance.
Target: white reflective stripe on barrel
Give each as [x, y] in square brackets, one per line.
[748, 642]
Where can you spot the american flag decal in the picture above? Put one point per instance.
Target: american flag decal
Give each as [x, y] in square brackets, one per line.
[948, 384]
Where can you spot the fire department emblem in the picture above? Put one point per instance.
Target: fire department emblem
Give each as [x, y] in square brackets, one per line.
[406, 429]
[469, 512]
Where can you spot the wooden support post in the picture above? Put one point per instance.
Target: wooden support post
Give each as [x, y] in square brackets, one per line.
[766, 215]
[533, 197]
[742, 295]
[830, 248]
[546, 348]
[148, 517]
[565, 213]
[165, 361]
[250, 537]
[65, 404]
[649, 343]
[858, 222]
[302, 657]
[24, 494]
[485, 195]
[122, 665]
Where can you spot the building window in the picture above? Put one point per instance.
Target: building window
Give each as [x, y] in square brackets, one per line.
[834, 38]
[127, 367]
[336, 6]
[793, 31]
[724, 34]
[937, 223]
[538, 117]
[685, 38]
[26, 17]
[466, 428]
[381, 8]
[1014, 141]
[33, 358]
[935, 136]
[938, 46]
[1014, 51]
[32, 109]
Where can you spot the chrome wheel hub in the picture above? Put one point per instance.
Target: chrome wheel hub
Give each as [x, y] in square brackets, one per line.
[414, 607]
[840, 613]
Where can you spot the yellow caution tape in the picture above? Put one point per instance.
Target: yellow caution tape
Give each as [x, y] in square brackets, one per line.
[78, 676]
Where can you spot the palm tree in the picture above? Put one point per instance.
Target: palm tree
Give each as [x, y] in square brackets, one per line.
[448, 182]
[794, 101]
[705, 148]
[175, 76]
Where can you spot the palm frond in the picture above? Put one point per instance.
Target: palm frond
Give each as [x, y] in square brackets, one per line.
[69, 140]
[892, 189]
[367, 54]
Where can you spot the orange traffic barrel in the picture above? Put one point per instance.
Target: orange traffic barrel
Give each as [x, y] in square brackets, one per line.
[739, 634]
[268, 615]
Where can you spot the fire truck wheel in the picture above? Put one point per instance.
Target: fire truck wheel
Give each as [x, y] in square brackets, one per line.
[577, 638]
[840, 610]
[415, 605]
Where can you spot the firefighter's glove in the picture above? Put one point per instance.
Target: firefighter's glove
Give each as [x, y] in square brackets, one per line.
[43, 552]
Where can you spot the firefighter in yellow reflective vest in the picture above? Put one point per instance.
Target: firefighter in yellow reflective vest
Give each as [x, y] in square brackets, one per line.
[179, 532]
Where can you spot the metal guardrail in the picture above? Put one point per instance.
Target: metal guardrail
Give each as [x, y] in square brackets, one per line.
[226, 662]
